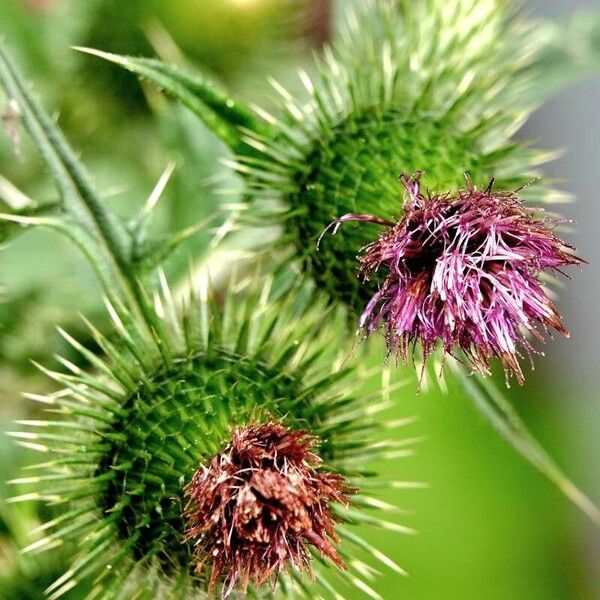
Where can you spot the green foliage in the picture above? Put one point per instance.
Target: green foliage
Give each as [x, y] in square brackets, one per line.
[123, 34]
[81, 215]
[25, 577]
[206, 99]
[224, 36]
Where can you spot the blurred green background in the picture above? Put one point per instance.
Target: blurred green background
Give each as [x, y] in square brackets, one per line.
[489, 526]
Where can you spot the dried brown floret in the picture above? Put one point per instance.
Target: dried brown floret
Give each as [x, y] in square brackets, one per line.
[259, 505]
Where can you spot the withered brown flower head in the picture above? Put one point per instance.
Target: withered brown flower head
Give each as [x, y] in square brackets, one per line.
[259, 505]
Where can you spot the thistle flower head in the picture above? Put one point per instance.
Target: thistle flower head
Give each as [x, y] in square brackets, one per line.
[259, 504]
[463, 270]
[164, 500]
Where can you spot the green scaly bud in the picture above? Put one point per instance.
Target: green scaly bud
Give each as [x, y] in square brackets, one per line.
[133, 434]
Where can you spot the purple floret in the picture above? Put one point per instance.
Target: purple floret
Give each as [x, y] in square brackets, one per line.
[463, 269]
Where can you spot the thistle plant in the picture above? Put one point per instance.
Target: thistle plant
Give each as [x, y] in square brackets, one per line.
[404, 88]
[259, 504]
[220, 442]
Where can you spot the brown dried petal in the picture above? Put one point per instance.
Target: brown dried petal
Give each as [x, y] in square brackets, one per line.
[260, 504]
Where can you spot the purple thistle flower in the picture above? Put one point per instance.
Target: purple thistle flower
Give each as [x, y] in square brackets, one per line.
[463, 269]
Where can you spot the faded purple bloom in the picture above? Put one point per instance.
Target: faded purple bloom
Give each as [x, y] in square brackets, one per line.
[259, 504]
[463, 269]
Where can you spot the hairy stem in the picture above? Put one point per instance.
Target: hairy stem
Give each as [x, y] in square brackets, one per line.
[80, 199]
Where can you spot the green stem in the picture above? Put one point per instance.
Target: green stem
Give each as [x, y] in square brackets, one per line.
[80, 199]
[488, 399]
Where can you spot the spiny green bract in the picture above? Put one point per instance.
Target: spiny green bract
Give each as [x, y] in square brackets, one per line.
[160, 407]
[409, 86]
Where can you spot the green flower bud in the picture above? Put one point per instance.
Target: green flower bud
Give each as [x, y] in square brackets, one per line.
[422, 86]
